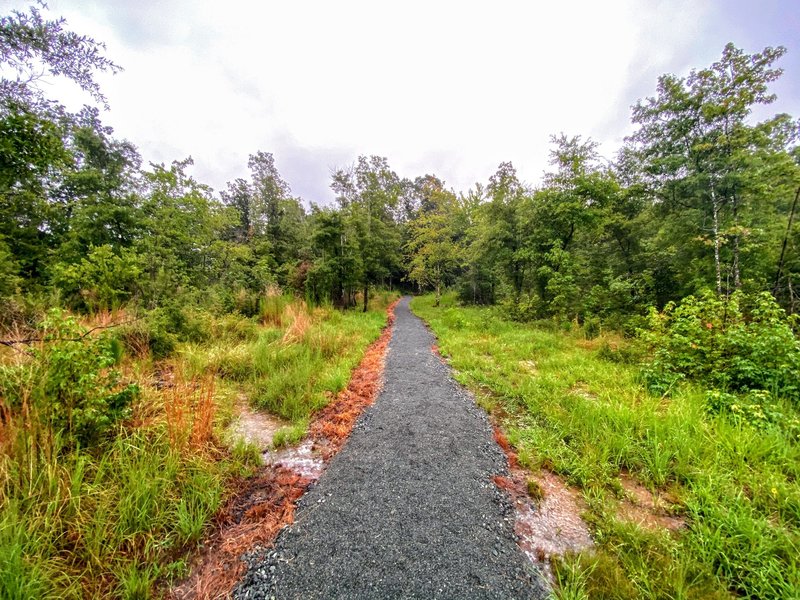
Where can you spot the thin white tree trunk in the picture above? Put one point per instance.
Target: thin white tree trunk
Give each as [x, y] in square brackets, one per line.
[717, 263]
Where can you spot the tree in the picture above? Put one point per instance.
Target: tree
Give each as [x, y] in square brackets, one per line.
[501, 230]
[32, 46]
[368, 193]
[42, 145]
[337, 268]
[696, 145]
[181, 223]
[434, 252]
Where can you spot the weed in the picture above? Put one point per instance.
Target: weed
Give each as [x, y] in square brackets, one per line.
[135, 583]
[246, 453]
[535, 490]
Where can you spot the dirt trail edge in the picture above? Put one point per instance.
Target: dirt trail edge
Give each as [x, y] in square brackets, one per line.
[408, 508]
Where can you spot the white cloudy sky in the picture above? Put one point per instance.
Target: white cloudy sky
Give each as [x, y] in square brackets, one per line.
[449, 87]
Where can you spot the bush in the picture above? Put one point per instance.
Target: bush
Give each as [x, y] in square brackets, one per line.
[70, 381]
[102, 279]
[147, 336]
[524, 309]
[738, 345]
[591, 328]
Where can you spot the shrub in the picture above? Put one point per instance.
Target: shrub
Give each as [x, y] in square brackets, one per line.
[524, 309]
[147, 336]
[70, 381]
[739, 344]
[102, 279]
[591, 327]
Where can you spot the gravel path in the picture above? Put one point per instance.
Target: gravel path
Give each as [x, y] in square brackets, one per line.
[407, 509]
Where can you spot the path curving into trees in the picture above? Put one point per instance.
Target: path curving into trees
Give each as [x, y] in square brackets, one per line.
[408, 508]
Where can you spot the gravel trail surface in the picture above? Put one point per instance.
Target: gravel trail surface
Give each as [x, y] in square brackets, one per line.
[408, 508]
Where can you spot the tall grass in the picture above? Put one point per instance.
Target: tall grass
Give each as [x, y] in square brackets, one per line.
[73, 522]
[114, 519]
[589, 419]
[300, 359]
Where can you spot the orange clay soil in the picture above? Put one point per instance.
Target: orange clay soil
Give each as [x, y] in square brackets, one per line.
[263, 504]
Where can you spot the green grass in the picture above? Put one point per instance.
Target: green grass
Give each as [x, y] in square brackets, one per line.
[294, 380]
[290, 435]
[73, 523]
[294, 377]
[587, 418]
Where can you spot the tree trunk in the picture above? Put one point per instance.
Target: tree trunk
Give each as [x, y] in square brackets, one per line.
[717, 265]
[785, 243]
[366, 296]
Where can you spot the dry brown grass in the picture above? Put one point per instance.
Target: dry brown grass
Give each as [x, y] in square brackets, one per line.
[189, 410]
[299, 322]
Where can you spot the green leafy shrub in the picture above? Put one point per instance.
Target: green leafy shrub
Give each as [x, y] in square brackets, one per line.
[740, 344]
[591, 328]
[524, 309]
[757, 408]
[103, 279]
[147, 336]
[70, 380]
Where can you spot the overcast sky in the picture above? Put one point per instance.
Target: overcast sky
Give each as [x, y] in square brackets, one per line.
[450, 88]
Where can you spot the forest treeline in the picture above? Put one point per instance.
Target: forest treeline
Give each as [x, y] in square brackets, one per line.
[699, 197]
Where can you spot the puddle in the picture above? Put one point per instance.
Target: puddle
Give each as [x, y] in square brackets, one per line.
[256, 428]
[547, 527]
[305, 459]
[553, 526]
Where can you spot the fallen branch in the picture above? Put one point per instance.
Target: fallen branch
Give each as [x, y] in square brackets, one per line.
[12, 343]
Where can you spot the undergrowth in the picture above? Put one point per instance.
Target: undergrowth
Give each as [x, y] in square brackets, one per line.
[111, 455]
[568, 408]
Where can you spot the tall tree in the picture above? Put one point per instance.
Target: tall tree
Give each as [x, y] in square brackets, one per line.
[695, 142]
[369, 193]
[501, 230]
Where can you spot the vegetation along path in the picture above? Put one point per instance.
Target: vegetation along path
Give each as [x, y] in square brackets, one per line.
[408, 508]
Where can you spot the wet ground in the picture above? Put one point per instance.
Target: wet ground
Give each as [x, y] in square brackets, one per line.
[255, 427]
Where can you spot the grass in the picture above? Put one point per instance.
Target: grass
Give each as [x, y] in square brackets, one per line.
[78, 525]
[118, 519]
[568, 408]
